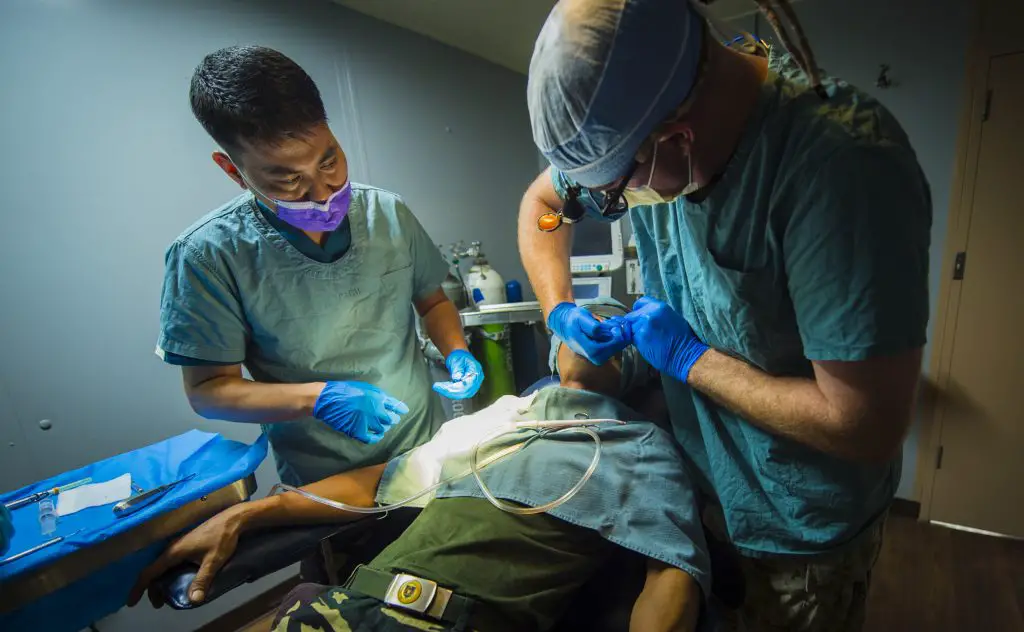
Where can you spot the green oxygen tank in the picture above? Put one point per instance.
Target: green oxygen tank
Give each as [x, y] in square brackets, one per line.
[492, 347]
[492, 344]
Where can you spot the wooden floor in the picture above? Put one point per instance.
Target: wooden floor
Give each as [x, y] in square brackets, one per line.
[935, 579]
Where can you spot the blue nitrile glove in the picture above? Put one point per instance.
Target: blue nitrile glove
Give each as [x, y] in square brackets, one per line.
[467, 376]
[662, 337]
[586, 335]
[360, 410]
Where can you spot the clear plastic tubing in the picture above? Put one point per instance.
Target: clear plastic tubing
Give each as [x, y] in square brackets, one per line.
[526, 511]
[476, 465]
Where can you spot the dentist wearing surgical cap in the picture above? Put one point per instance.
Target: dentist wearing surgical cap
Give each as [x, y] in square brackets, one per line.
[782, 226]
[306, 279]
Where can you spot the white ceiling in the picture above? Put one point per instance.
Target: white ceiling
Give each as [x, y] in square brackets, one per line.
[501, 31]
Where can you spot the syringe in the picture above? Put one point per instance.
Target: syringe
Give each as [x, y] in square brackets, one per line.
[36, 497]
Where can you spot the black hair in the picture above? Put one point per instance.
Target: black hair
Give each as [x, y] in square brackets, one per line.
[255, 94]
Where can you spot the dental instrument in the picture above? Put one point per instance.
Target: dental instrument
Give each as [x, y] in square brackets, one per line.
[145, 499]
[36, 497]
[37, 548]
[563, 423]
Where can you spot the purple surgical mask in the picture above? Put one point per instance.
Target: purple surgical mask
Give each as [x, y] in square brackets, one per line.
[315, 217]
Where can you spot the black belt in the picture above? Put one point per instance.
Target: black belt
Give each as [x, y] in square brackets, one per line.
[419, 595]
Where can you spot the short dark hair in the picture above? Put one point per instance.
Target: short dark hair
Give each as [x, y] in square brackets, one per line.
[255, 94]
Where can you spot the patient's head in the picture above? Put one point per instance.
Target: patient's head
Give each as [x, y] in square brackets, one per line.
[575, 371]
[622, 373]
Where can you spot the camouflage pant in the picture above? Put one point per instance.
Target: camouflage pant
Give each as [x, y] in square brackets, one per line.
[330, 609]
[787, 594]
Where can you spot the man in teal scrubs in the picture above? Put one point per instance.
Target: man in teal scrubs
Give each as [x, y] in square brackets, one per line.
[306, 279]
[782, 227]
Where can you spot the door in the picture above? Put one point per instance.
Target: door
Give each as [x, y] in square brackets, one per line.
[980, 480]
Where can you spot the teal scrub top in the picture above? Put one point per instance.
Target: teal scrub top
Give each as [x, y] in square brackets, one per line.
[238, 291]
[334, 248]
[812, 245]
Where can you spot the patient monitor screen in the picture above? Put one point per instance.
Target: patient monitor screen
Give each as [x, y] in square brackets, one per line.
[592, 238]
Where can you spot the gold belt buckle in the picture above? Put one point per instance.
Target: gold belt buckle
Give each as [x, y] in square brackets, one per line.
[411, 593]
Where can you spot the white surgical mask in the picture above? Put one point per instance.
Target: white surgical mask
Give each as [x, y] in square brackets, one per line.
[645, 195]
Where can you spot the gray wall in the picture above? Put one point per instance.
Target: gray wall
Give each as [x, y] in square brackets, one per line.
[925, 42]
[103, 165]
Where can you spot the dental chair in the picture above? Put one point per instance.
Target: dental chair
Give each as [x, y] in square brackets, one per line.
[260, 554]
[604, 604]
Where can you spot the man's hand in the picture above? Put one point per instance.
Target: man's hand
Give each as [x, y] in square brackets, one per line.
[467, 376]
[662, 337]
[588, 337]
[360, 410]
[210, 545]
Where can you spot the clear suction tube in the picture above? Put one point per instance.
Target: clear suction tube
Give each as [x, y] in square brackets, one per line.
[475, 466]
[525, 511]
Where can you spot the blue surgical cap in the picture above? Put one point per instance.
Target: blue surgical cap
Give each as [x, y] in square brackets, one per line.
[604, 74]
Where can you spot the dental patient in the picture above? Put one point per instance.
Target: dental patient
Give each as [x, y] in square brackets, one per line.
[465, 564]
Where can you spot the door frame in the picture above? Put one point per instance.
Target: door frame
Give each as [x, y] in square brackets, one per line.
[992, 33]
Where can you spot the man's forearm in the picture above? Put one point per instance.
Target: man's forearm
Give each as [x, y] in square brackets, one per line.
[792, 407]
[545, 255]
[357, 488]
[233, 398]
[444, 327]
[669, 602]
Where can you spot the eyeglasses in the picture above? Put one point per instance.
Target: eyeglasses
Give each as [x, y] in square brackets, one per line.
[611, 203]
